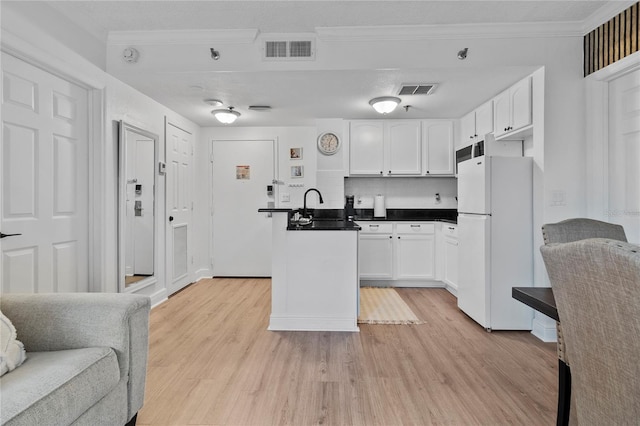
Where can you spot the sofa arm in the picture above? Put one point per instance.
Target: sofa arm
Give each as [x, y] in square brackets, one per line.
[50, 322]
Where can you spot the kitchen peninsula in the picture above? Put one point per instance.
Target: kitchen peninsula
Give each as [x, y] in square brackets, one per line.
[314, 278]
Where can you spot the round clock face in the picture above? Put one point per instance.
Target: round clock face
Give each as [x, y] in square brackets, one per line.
[328, 143]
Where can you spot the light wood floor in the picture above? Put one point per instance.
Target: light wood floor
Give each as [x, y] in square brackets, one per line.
[213, 362]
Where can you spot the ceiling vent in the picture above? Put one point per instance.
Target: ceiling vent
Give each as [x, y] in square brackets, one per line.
[289, 50]
[416, 89]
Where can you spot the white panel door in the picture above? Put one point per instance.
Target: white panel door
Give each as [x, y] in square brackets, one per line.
[179, 153]
[624, 154]
[44, 181]
[242, 169]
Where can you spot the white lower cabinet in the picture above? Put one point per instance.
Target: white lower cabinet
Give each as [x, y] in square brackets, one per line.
[376, 256]
[399, 254]
[415, 251]
[450, 252]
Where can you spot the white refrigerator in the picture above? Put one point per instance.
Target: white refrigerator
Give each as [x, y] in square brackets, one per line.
[495, 216]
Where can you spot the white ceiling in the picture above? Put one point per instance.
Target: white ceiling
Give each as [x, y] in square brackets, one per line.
[300, 93]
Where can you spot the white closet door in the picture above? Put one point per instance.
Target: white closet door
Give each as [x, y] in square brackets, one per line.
[44, 181]
[624, 154]
[179, 206]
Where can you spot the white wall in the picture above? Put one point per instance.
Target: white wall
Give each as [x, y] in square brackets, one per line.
[112, 101]
[404, 192]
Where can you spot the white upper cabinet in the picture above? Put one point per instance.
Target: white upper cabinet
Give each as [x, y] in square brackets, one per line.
[385, 148]
[512, 108]
[437, 138]
[476, 124]
[403, 147]
[366, 148]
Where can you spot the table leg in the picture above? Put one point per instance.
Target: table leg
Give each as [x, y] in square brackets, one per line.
[564, 393]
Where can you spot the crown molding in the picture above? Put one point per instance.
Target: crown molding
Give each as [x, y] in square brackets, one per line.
[181, 37]
[457, 31]
[606, 12]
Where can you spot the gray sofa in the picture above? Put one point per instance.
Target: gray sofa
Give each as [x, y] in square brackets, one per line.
[86, 359]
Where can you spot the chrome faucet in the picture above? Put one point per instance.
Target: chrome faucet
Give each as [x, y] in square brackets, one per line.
[304, 208]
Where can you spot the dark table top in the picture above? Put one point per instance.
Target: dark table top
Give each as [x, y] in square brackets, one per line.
[539, 298]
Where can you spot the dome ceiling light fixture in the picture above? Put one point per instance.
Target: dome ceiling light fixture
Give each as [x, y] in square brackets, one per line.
[225, 116]
[384, 104]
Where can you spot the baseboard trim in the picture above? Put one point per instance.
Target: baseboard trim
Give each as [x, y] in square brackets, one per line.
[543, 330]
[295, 323]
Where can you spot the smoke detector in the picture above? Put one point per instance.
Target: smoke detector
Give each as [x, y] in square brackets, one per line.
[130, 55]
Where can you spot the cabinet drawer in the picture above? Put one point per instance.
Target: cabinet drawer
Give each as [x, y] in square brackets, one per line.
[415, 228]
[377, 228]
[449, 230]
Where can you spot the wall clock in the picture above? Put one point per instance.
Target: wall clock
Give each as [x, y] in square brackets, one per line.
[328, 143]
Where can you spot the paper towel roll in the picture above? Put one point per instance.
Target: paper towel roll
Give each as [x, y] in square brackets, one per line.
[378, 207]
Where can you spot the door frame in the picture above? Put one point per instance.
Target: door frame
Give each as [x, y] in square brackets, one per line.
[98, 270]
[597, 132]
[276, 183]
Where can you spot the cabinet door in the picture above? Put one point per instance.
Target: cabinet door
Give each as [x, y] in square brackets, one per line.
[520, 98]
[438, 141]
[484, 119]
[467, 129]
[403, 147]
[366, 148]
[415, 256]
[375, 256]
[502, 113]
[451, 262]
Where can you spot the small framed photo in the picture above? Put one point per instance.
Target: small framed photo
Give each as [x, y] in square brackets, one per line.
[297, 171]
[295, 154]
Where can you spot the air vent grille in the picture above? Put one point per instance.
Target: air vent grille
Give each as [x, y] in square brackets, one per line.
[276, 49]
[416, 89]
[289, 50]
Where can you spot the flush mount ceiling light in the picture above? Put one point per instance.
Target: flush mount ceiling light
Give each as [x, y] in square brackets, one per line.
[462, 55]
[384, 104]
[225, 116]
[212, 102]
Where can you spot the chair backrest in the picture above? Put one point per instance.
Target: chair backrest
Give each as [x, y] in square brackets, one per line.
[596, 284]
[580, 229]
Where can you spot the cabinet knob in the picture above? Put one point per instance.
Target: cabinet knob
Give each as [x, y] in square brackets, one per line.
[380, 171]
[475, 136]
[471, 137]
[390, 237]
[427, 171]
[389, 171]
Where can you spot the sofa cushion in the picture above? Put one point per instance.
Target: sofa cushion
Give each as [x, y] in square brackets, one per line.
[58, 385]
[12, 352]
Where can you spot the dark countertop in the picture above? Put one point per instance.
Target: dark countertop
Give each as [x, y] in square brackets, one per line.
[333, 219]
[325, 225]
[399, 215]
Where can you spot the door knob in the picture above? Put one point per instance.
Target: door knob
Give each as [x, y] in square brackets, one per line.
[170, 218]
[8, 235]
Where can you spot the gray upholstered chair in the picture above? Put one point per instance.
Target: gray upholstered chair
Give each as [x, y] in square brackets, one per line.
[596, 284]
[565, 232]
[575, 230]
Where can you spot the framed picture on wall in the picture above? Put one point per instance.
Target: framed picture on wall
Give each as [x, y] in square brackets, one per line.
[297, 171]
[295, 154]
